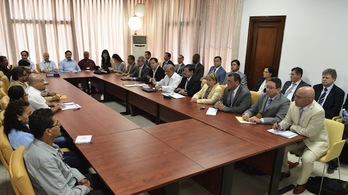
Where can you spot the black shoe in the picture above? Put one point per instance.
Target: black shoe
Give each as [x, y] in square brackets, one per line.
[330, 170]
[125, 113]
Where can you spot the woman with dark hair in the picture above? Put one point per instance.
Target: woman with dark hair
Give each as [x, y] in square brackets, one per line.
[105, 62]
[16, 119]
[118, 64]
[260, 86]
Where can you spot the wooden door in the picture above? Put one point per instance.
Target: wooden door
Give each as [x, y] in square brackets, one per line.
[265, 39]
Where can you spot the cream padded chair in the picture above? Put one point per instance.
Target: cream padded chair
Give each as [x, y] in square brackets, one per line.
[222, 89]
[254, 96]
[4, 101]
[5, 148]
[203, 82]
[19, 175]
[335, 132]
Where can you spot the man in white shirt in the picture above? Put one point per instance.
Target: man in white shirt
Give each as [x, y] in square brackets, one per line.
[170, 81]
[36, 100]
[48, 65]
[290, 87]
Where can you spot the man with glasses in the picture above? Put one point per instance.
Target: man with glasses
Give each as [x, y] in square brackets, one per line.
[305, 117]
[44, 161]
[272, 105]
[141, 72]
[48, 65]
[19, 77]
[296, 82]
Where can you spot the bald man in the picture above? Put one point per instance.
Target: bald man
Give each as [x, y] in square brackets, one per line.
[36, 100]
[305, 117]
[47, 65]
[170, 82]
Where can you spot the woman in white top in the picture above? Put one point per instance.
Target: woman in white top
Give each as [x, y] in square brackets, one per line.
[117, 64]
[268, 72]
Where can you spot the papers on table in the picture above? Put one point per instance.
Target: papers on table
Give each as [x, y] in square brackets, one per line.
[287, 133]
[211, 111]
[83, 139]
[135, 85]
[173, 95]
[70, 105]
[241, 120]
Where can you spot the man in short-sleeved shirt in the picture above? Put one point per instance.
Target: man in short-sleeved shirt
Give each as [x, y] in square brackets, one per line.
[68, 64]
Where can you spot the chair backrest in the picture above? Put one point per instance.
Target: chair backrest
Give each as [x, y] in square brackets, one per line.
[6, 82]
[4, 101]
[222, 89]
[254, 96]
[5, 148]
[18, 173]
[38, 69]
[335, 131]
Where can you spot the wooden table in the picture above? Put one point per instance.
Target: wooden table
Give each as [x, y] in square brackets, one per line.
[205, 145]
[133, 161]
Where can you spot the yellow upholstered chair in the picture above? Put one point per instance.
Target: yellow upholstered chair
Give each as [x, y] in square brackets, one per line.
[4, 79]
[335, 132]
[4, 101]
[5, 148]
[337, 118]
[19, 175]
[203, 82]
[254, 96]
[3, 92]
[38, 69]
[222, 89]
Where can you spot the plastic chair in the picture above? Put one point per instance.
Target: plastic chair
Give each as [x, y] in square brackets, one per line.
[5, 148]
[18, 173]
[254, 96]
[4, 101]
[335, 132]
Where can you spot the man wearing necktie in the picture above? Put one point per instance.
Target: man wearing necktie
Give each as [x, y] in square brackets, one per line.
[305, 117]
[218, 69]
[179, 68]
[147, 56]
[290, 87]
[236, 97]
[330, 97]
[189, 84]
[272, 105]
[141, 72]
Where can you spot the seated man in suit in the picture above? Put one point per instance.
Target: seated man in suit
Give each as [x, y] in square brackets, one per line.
[272, 105]
[156, 72]
[170, 81]
[331, 98]
[328, 95]
[199, 68]
[167, 60]
[189, 84]
[179, 68]
[141, 72]
[305, 117]
[218, 69]
[290, 87]
[236, 97]
[235, 65]
[44, 161]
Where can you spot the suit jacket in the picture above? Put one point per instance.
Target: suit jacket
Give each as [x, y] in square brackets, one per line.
[179, 68]
[287, 84]
[144, 72]
[276, 110]
[193, 86]
[158, 75]
[221, 73]
[241, 101]
[311, 125]
[199, 72]
[165, 64]
[131, 68]
[333, 102]
[213, 97]
[258, 84]
[345, 106]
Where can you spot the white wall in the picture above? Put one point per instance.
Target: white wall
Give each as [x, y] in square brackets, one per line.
[315, 36]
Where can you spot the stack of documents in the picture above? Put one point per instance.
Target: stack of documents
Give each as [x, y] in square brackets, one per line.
[287, 133]
[241, 120]
[83, 139]
[211, 111]
[70, 105]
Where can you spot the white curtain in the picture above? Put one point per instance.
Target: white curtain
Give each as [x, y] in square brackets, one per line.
[186, 27]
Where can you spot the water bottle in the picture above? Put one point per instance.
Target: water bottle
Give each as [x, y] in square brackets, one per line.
[344, 115]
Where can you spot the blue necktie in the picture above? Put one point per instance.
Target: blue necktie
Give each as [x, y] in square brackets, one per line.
[322, 97]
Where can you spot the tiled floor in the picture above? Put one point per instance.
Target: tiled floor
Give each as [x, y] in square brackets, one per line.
[242, 183]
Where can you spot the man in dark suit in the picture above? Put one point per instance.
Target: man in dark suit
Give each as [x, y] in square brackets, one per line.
[156, 71]
[199, 72]
[167, 60]
[331, 98]
[328, 95]
[147, 56]
[235, 65]
[190, 84]
[141, 72]
[179, 68]
[272, 105]
[236, 97]
[218, 69]
[290, 87]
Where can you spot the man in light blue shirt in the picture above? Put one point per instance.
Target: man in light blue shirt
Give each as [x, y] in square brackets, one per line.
[68, 64]
[48, 65]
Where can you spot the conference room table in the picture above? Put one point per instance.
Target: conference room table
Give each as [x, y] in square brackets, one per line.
[254, 139]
